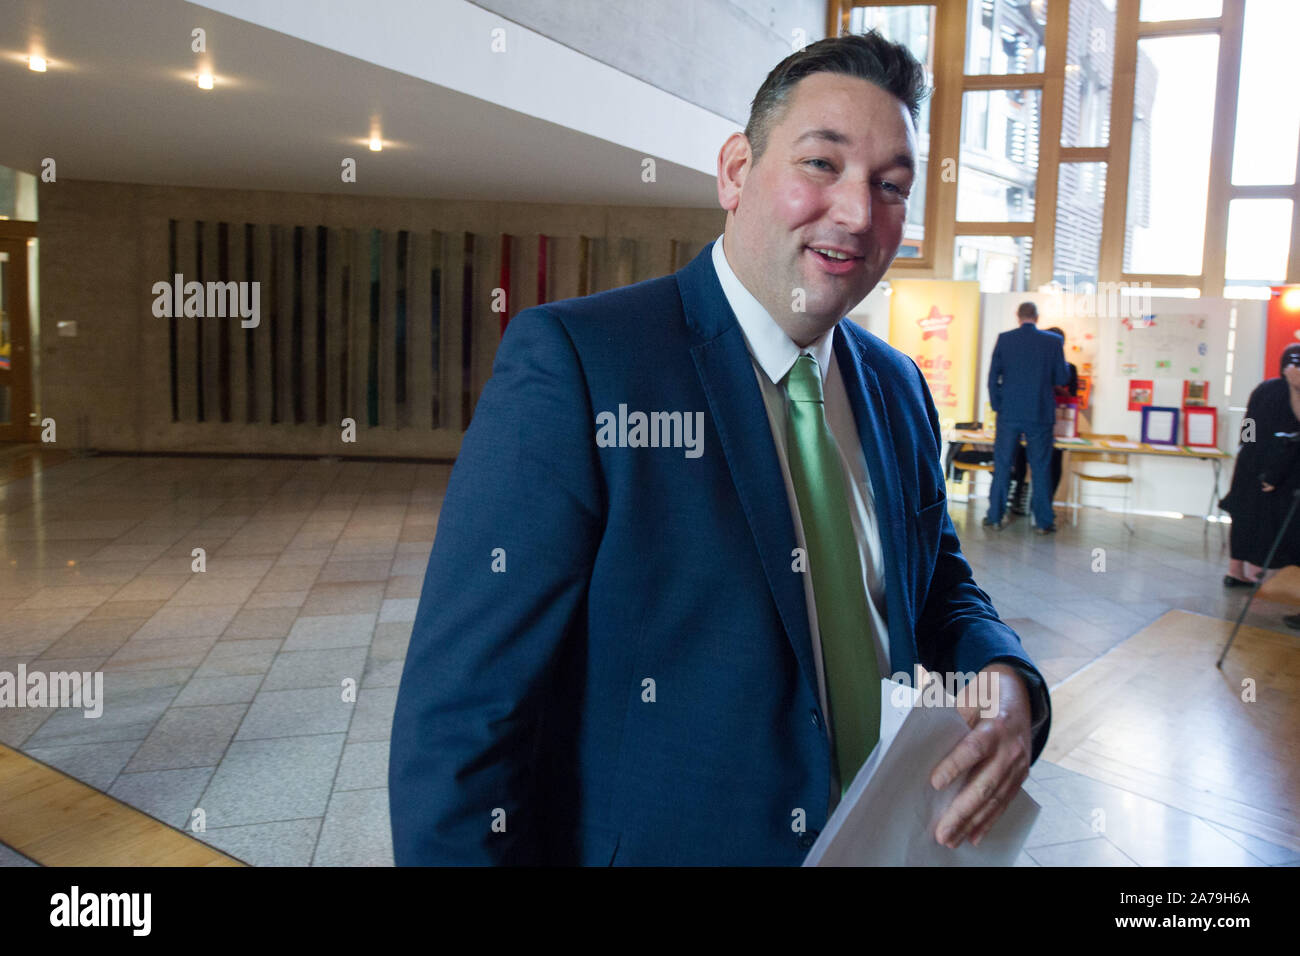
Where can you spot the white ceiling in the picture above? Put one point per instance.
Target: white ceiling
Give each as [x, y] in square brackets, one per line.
[119, 103]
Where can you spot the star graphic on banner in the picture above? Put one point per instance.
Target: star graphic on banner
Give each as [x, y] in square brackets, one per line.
[935, 323]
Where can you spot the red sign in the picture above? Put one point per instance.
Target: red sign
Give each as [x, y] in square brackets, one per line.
[1283, 326]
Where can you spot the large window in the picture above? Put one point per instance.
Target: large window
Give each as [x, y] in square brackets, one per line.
[1268, 105]
[1089, 64]
[1258, 240]
[1005, 37]
[1179, 9]
[1080, 200]
[1085, 141]
[1169, 161]
[997, 263]
[913, 26]
[999, 156]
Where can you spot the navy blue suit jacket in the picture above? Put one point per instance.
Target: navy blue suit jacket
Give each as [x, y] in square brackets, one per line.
[524, 698]
[1027, 362]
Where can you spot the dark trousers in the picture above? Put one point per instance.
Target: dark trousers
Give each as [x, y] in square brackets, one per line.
[1022, 462]
[1038, 438]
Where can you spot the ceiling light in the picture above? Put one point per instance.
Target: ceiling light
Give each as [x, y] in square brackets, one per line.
[205, 81]
[376, 144]
[36, 63]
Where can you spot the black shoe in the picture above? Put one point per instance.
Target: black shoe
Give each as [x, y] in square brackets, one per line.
[1292, 621]
[1230, 582]
[990, 523]
[1050, 529]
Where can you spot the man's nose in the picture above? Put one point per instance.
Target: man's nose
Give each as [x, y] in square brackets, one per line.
[851, 206]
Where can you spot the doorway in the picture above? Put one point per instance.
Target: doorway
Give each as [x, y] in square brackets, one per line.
[15, 344]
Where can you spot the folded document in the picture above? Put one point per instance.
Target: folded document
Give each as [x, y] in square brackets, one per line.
[889, 815]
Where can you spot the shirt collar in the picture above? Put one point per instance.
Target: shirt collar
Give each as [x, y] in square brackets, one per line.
[772, 349]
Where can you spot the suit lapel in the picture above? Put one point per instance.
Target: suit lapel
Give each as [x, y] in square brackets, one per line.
[872, 421]
[726, 373]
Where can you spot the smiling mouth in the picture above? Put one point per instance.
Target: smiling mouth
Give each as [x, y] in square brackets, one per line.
[834, 261]
[833, 255]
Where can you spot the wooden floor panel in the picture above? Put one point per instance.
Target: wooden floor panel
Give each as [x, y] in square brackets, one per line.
[1154, 716]
[56, 820]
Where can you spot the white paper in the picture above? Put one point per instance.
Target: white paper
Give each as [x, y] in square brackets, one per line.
[889, 815]
[1119, 444]
[1160, 426]
[1200, 430]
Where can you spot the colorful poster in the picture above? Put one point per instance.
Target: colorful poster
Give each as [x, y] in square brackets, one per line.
[1283, 325]
[1085, 390]
[937, 322]
[1195, 393]
[1162, 346]
[1139, 393]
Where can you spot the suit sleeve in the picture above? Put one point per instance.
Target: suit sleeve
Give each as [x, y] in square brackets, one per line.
[1060, 368]
[508, 574]
[958, 630]
[995, 377]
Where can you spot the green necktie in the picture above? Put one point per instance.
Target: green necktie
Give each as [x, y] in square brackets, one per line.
[847, 634]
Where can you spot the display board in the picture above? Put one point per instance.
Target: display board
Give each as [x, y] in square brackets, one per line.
[1162, 345]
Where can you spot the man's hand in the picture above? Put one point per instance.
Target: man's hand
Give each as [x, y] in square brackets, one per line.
[998, 747]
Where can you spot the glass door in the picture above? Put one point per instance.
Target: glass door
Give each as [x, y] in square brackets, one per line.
[15, 354]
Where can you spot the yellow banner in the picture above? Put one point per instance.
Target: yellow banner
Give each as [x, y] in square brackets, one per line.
[937, 323]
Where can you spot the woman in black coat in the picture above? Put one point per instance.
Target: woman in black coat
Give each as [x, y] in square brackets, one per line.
[1265, 475]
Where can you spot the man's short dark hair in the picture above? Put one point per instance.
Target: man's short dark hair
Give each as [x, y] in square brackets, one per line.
[868, 56]
[1057, 330]
[1027, 310]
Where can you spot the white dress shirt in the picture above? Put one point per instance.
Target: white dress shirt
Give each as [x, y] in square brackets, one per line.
[774, 354]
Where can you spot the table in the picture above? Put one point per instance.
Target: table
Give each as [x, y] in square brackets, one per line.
[1213, 455]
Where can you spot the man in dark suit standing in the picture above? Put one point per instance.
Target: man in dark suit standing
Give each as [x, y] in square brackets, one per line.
[693, 523]
[1027, 364]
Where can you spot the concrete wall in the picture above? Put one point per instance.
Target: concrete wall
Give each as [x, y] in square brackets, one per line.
[103, 245]
[713, 53]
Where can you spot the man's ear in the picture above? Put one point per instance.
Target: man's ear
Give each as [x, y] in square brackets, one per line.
[734, 162]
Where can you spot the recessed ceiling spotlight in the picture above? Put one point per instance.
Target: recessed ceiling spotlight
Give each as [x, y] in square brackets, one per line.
[205, 81]
[36, 63]
[376, 144]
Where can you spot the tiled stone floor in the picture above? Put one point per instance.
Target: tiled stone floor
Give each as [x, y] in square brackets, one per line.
[224, 687]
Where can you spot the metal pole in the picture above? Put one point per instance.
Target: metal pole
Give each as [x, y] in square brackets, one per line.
[1295, 500]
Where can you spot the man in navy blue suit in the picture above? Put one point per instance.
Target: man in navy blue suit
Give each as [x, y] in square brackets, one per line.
[1026, 363]
[692, 524]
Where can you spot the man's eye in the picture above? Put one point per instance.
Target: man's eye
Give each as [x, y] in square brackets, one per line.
[824, 163]
[893, 189]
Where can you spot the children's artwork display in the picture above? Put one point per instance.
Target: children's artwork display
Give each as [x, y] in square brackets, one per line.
[1159, 425]
[1201, 427]
[1162, 346]
[1140, 393]
[1195, 393]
